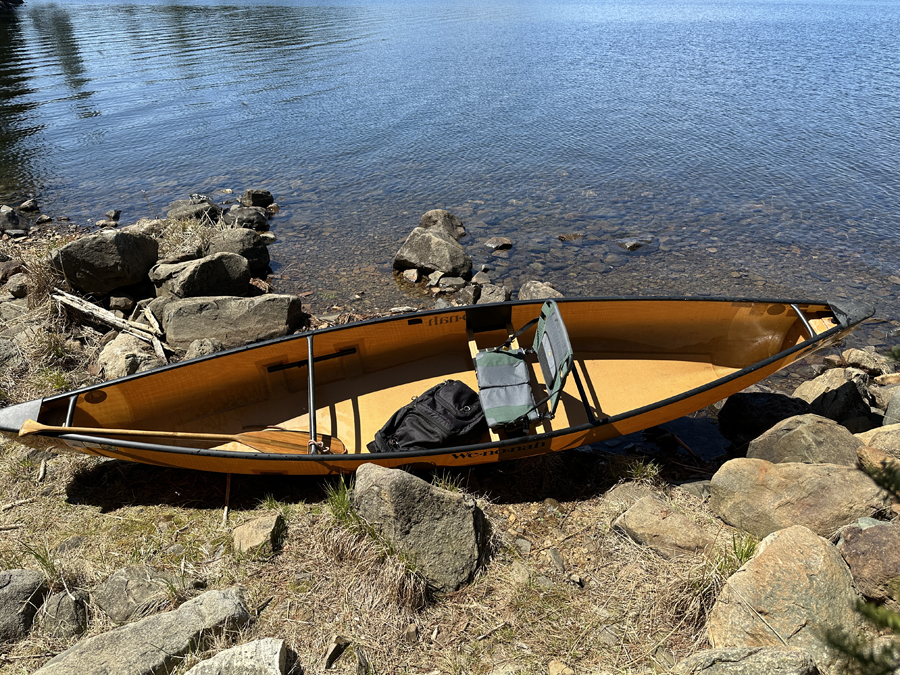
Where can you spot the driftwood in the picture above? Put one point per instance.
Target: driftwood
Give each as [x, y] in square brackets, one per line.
[147, 333]
[19, 502]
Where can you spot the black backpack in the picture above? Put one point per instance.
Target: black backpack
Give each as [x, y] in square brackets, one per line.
[448, 414]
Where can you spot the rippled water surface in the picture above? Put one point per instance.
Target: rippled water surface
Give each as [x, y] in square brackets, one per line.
[756, 142]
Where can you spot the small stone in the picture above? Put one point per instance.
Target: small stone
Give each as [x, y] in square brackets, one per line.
[634, 243]
[18, 285]
[498, 243]
[411, 275]
[434, 278]
[260, 536]
[411, 633]
[113, 215]
[481, 278]
[29, 205]
[557, 559]
[469, 295]
[491, 293]
[121, 303]
[523, 546]
[559, 668]
[43, 219]
[519, 573]
[451, 283]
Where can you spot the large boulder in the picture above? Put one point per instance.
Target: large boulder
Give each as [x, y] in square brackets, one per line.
[761, 497]
[748, 414]
[808, 439]
[22, 593]
[260, 657]
[873, 554]
[231, 321]
[652, 522]
[246, 243]
[158, 643]
[433, 246]
[776, 660]
[135, 591]
[443, 220]
[792, 593]
[443, 533]
[99, 263]
[127, 355]
[216, 274]
[840, 394]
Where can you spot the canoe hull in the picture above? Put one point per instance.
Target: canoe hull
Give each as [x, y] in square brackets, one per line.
[613, 358]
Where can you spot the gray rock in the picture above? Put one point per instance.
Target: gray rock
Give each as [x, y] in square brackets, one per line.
[256, 197]
[216, 274]
[22, 593]
[260, 657]
[63, 615]
[443, 533]
[9, 219]
[873, 554]
[481, 278]
[538, 290]
[29, 206]
[809, 439]
[102, 262]
[652, 522]
[17, 286]
[135, 591]
[469, 294]
[8, 268]
[499, 243]
[634, 243]
[886, 438]
[260, 536]
[493, 293]
[203, 347]
[155, 644]
[231, 321]
[791, 593]
[9, 352]
[127, 355]
[839, 394]
[749, 661]
[188, 209]
[761, 497]
[697, 488]
[892, 412]
[451, 283]
[881, 396]
[748, 414]
[868, 360]
[625, 495]
[246, 243]
[432, 250]
[113, 215]
[445, 221]
[247, 217]
[121, 303]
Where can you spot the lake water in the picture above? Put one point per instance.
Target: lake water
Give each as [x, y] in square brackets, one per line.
[756, 142]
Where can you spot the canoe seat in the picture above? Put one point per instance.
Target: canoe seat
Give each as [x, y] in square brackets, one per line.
[504, 381]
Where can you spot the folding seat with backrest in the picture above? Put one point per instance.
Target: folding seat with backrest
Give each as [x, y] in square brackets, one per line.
[504, 380]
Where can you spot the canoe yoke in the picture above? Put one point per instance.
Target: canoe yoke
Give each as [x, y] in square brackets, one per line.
[504, 380]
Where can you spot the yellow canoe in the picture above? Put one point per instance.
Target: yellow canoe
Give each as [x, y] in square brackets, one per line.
[637, 363]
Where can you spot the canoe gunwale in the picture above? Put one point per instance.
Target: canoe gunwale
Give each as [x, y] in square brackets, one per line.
[425, 454]
[450, 310]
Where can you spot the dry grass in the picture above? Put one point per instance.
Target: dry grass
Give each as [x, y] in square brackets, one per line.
[617, 608]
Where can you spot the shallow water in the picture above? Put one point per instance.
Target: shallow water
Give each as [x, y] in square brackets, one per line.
[756, 142]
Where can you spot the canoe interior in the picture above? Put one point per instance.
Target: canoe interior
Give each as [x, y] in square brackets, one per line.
[628, 353]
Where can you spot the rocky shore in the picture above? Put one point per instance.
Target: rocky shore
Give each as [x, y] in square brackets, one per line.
[592, 561]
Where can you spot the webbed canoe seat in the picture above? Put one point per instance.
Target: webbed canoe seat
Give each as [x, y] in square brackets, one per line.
[504, 380]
